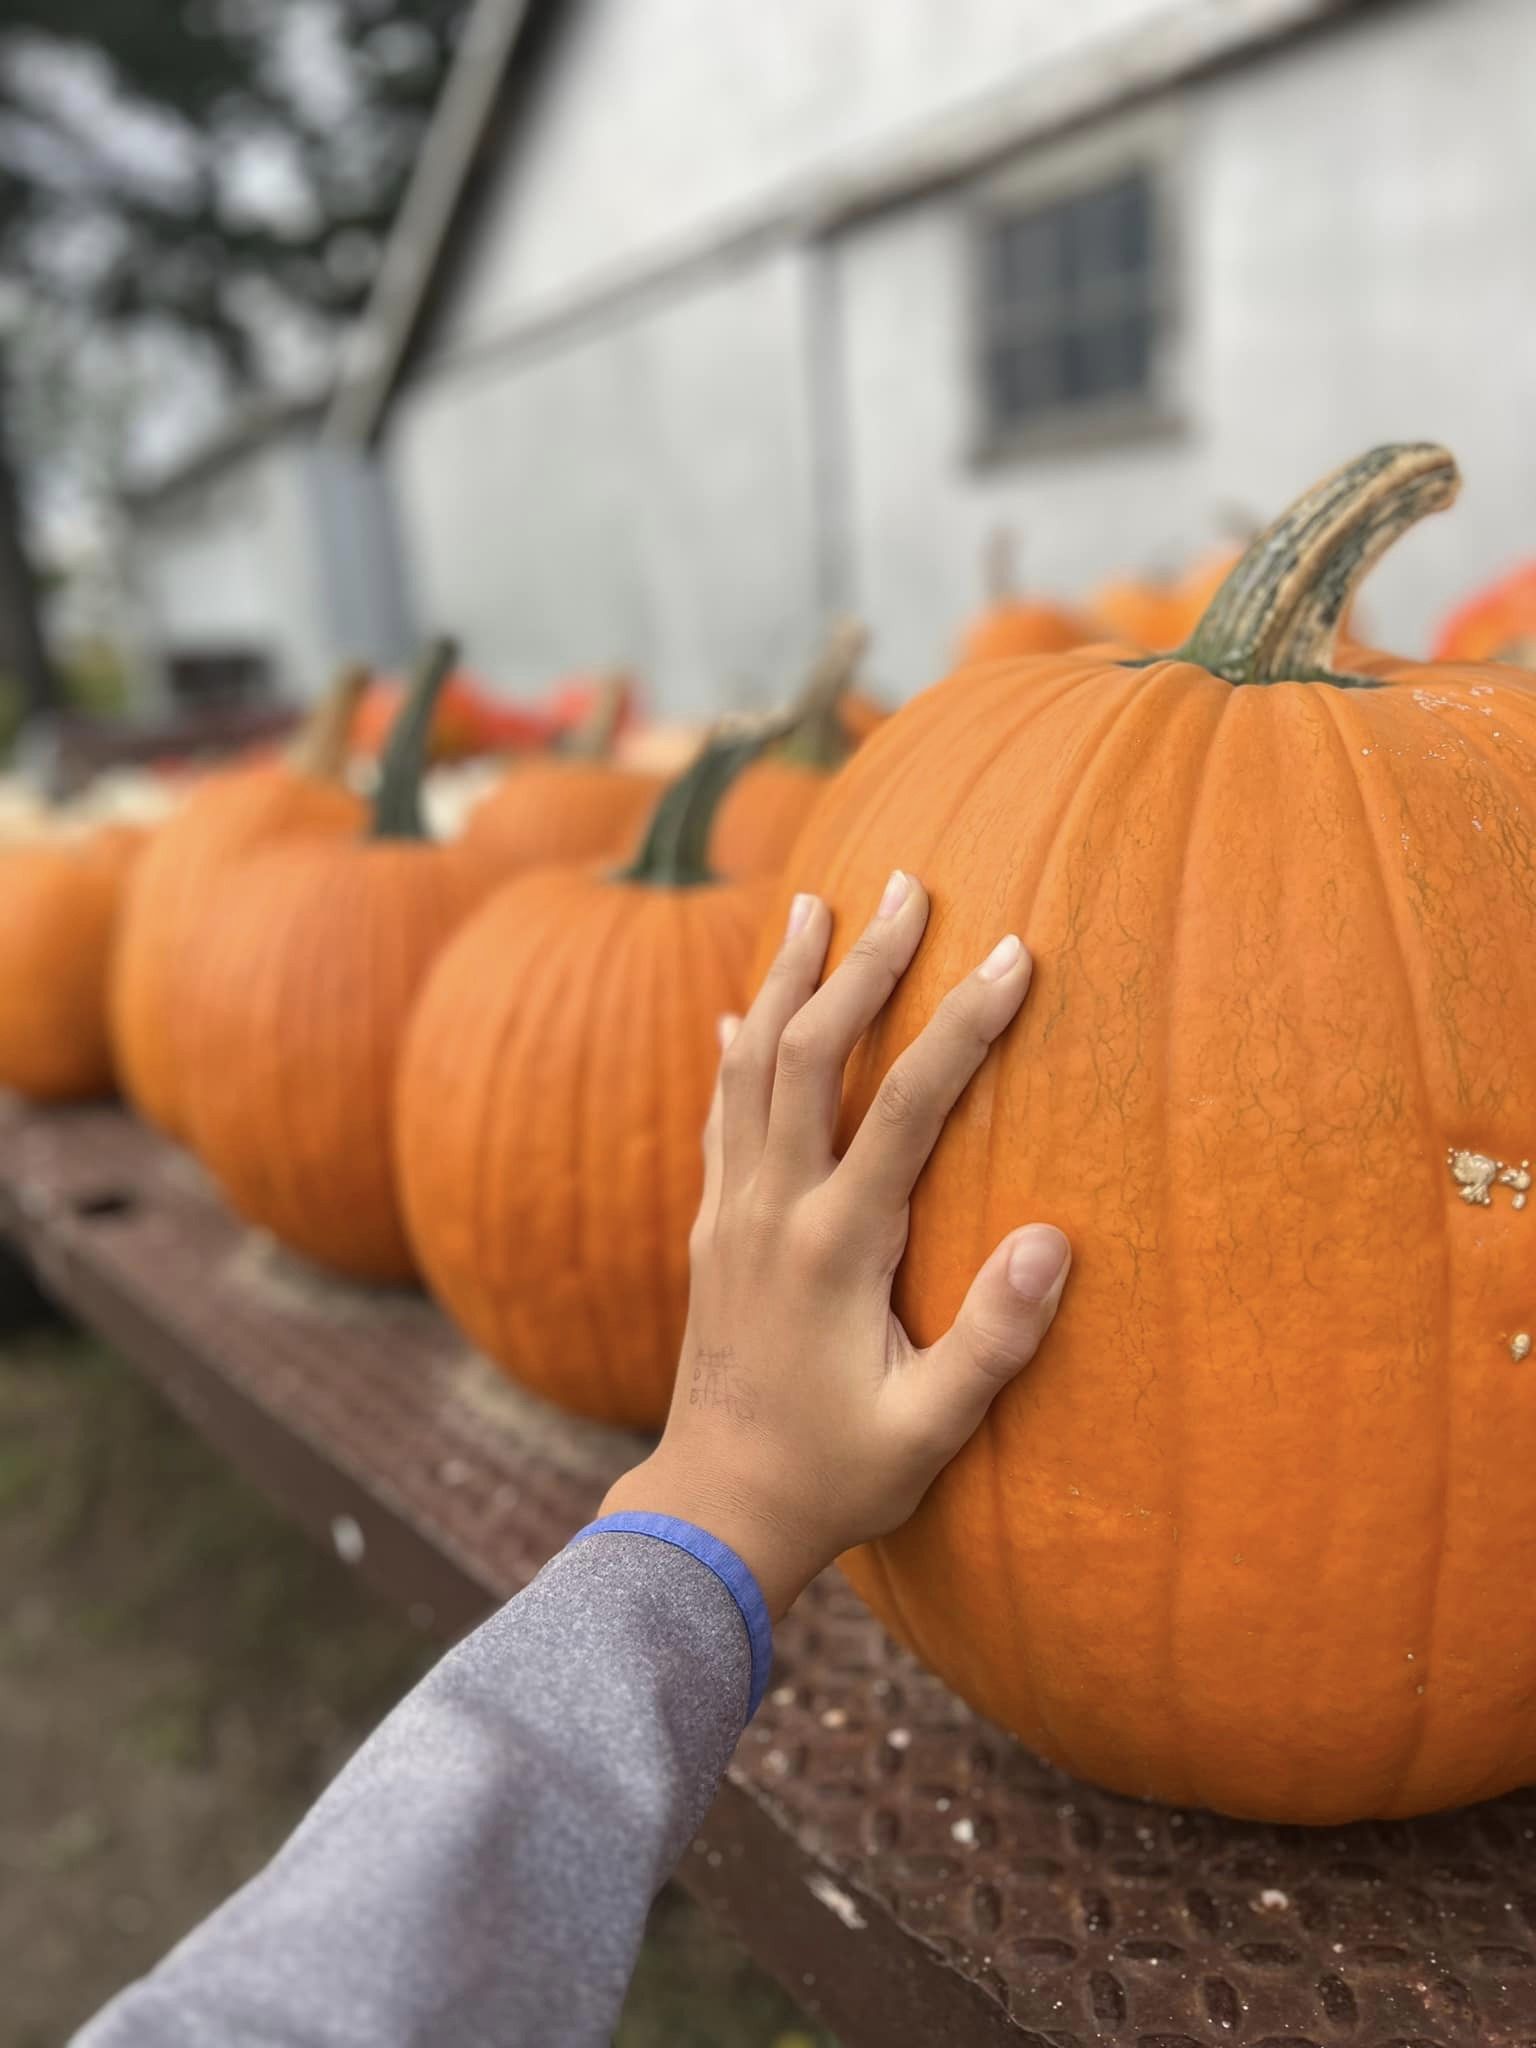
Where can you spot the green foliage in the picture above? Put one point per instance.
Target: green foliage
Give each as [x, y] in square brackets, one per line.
[169, 239]
[92, 679]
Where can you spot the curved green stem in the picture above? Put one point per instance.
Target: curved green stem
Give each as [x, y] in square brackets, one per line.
[675, 851]
[397, 807]
[1276, 617]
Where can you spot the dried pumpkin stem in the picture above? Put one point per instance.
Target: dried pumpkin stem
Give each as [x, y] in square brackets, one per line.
[397, 807]
[593, 739]
[816, 735]
[322, 742]
[1276, 617]
[675, 851]
[1000, 566]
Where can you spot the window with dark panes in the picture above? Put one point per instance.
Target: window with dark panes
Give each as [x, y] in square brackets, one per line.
[1069, 303]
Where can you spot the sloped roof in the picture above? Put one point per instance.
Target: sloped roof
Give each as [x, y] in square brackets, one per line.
[252, 427]
[497, 56]
[495, 46]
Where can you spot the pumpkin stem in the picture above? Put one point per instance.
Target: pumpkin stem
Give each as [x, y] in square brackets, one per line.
[1276, 617]
[1000, 566]
[675, 851]
[593, 739]
[397, 806]
[814, 733]
[321, 745]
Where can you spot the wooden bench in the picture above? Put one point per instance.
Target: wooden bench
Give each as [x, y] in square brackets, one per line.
[909, 1872]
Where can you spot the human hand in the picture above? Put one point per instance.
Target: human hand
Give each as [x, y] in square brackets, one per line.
[804, 1420]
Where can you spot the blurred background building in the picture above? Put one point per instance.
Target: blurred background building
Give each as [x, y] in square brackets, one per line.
[262, 556]
[702, 319]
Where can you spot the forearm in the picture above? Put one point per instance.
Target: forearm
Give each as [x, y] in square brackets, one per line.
[482, 1870]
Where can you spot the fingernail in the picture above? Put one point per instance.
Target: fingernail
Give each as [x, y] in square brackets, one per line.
[1003, 956]
[800, 914]
[1035, 1263]
[726, 1029]
[896, 892]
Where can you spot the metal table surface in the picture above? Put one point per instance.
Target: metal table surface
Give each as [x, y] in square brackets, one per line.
[911, 1873]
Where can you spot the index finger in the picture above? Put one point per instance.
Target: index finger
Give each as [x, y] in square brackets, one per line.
[902, 1125]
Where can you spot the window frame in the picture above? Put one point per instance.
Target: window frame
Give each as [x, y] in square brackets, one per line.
[1052, 174]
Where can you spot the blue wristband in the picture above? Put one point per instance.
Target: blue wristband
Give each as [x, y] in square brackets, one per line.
[727, 1567]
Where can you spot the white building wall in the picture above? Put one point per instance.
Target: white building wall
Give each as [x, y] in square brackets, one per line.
[652, 119]
[686, 481]
[288, 548]
[642, 494]
[1356, 266]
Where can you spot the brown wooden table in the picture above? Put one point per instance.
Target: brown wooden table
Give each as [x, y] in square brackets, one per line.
[911, 1874]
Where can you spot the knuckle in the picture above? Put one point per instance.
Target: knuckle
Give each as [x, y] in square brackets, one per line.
[736, 1062]
[817, 1239]
[757, 1217]
[962, 1021]
[867, 956]
[798, 1049]
[995, 1351]
[898, 1100]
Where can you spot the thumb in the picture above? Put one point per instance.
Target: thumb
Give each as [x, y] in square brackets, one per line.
[1011, 1304]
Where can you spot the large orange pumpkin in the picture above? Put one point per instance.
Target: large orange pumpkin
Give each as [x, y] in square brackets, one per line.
[179, 882]
[552, 1095]
[1496, 624]
[762, 812]
[1013, 625]
[555, 810]
[60, 905]
[1258, 1529]
[296, 1008]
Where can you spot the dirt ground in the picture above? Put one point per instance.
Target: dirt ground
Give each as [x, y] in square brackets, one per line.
[180, 1672]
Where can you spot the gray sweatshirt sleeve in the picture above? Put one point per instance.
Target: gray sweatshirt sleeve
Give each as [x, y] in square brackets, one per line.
[479, 1874]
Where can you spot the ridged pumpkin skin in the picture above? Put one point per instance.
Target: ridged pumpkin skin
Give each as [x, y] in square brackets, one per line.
[60, 905]
[761, 817]
[297, 998]
[176, 891]
[552, 1095]
[562, 813]
[1258, 1529]
[297, 1009]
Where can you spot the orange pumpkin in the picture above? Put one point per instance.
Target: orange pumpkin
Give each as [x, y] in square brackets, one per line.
[1013, 625]
[1257, 1531]
[1497, 624]
[762, 812]
[562, 809]
[470, 720]
[554, 1085]
[296, 1008]
[1140, 611]
[181, 878]
[60, 904]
